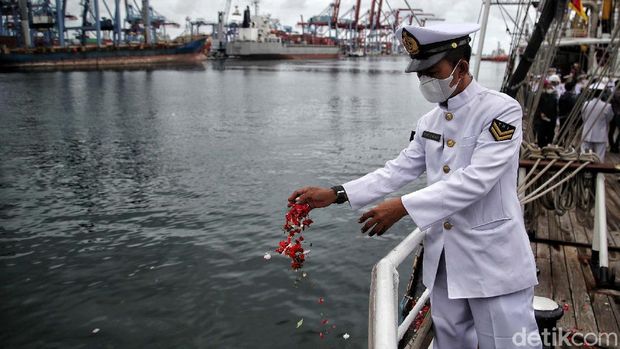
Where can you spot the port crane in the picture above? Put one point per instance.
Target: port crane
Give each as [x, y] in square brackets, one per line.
[28, 23]
[371, 29]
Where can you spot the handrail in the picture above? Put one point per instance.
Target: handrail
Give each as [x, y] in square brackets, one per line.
[599, 235]
[383, 329]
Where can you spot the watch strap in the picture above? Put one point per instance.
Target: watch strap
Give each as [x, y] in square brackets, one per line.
[341, 194]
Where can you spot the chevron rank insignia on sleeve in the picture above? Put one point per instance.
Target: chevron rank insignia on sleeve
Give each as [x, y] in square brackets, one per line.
[501, 131]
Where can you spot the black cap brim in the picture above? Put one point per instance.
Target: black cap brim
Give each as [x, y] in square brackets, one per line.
[417, 64]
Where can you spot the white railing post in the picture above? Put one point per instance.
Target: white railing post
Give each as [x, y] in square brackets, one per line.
[383, 329]
[600, 221]
[402, 328]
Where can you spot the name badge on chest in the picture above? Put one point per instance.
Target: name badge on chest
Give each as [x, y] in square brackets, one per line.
[432, 136]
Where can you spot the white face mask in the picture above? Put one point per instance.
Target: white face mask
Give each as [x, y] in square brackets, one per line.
[438, 90]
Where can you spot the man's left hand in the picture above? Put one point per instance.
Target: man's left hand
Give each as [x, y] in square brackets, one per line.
[383, 216]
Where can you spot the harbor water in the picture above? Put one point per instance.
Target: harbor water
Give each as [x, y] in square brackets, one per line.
[136, 206]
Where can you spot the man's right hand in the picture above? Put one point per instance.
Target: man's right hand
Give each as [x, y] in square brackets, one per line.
[315, 197]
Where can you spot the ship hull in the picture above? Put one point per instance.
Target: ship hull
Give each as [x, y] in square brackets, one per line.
[262, 50]
[108, 57]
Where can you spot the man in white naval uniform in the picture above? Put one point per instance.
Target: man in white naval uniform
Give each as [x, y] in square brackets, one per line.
[596, 115]
[478, 263]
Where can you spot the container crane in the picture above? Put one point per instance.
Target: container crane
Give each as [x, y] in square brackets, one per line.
[222, 18]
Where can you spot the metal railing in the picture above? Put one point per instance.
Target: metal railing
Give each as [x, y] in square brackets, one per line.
[600, 245]
[599, 235]
[384, 332]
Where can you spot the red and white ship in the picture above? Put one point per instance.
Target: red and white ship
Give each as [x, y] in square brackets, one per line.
[258, 38]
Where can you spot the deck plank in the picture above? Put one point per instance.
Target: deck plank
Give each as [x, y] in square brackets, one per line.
[584, 315]
[554, 227]
[566, 228]
[615, 236]
[543, 262]
[603, 311]
[580, 231]
[542, 226]
[612, 196]
[561, 286]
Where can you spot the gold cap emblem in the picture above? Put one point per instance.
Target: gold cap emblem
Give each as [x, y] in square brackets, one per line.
[454, 45]
[410, 43]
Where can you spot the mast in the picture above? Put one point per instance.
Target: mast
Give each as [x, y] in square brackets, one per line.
[549, 11]
[483, 31]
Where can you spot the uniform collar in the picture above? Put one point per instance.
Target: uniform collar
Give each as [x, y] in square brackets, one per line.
[462, 98]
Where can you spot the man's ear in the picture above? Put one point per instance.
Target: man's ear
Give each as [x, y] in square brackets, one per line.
[463, 68]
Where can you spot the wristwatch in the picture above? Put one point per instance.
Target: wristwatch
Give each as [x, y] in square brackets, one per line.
[341, 195]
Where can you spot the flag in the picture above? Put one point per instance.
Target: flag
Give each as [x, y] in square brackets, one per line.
[576, 6]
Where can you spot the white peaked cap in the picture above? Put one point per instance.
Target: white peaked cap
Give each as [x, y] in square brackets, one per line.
[428, 45]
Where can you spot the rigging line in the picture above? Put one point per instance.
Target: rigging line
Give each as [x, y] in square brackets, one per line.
[569, 129]
[503, 9]
[544, 60]
[523, 187]
[516, 39]
[542, 186]
[504, 19]
[590, 93]
[501, 12]
[531, 171]
[528, 200]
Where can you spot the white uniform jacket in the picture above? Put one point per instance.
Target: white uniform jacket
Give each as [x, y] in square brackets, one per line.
[470, 151]
[596, 115]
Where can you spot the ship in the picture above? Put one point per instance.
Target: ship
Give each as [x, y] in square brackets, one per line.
[258, 38]
[93, 57]
[497, 55]
[570, 197]
[36, 36]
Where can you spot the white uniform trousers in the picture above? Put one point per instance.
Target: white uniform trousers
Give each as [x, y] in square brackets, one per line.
[485, 323]
[598, 148]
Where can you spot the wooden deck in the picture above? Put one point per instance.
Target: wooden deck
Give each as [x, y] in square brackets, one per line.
[563, 260]
[565, 274]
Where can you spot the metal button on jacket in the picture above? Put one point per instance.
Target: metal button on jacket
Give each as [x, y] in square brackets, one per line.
[447, 225]
[449, 116]
[451, 143]
[446, 168]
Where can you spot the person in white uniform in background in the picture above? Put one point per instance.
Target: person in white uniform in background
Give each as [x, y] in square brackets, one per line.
[596, 115]
[478, 263]
[557, 84]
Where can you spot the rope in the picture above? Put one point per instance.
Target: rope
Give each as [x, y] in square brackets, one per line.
[528, 184]
[569, 132]
[541, 187]
[569, 195]
[531, 171]
[530, 198]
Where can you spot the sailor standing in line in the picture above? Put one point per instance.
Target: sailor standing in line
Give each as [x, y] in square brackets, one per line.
[596, 114]
[478, 263]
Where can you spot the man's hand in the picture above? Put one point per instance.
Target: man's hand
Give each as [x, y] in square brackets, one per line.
[314, 196]
[383, 216]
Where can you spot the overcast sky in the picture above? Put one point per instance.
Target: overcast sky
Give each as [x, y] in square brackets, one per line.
[289, 11]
